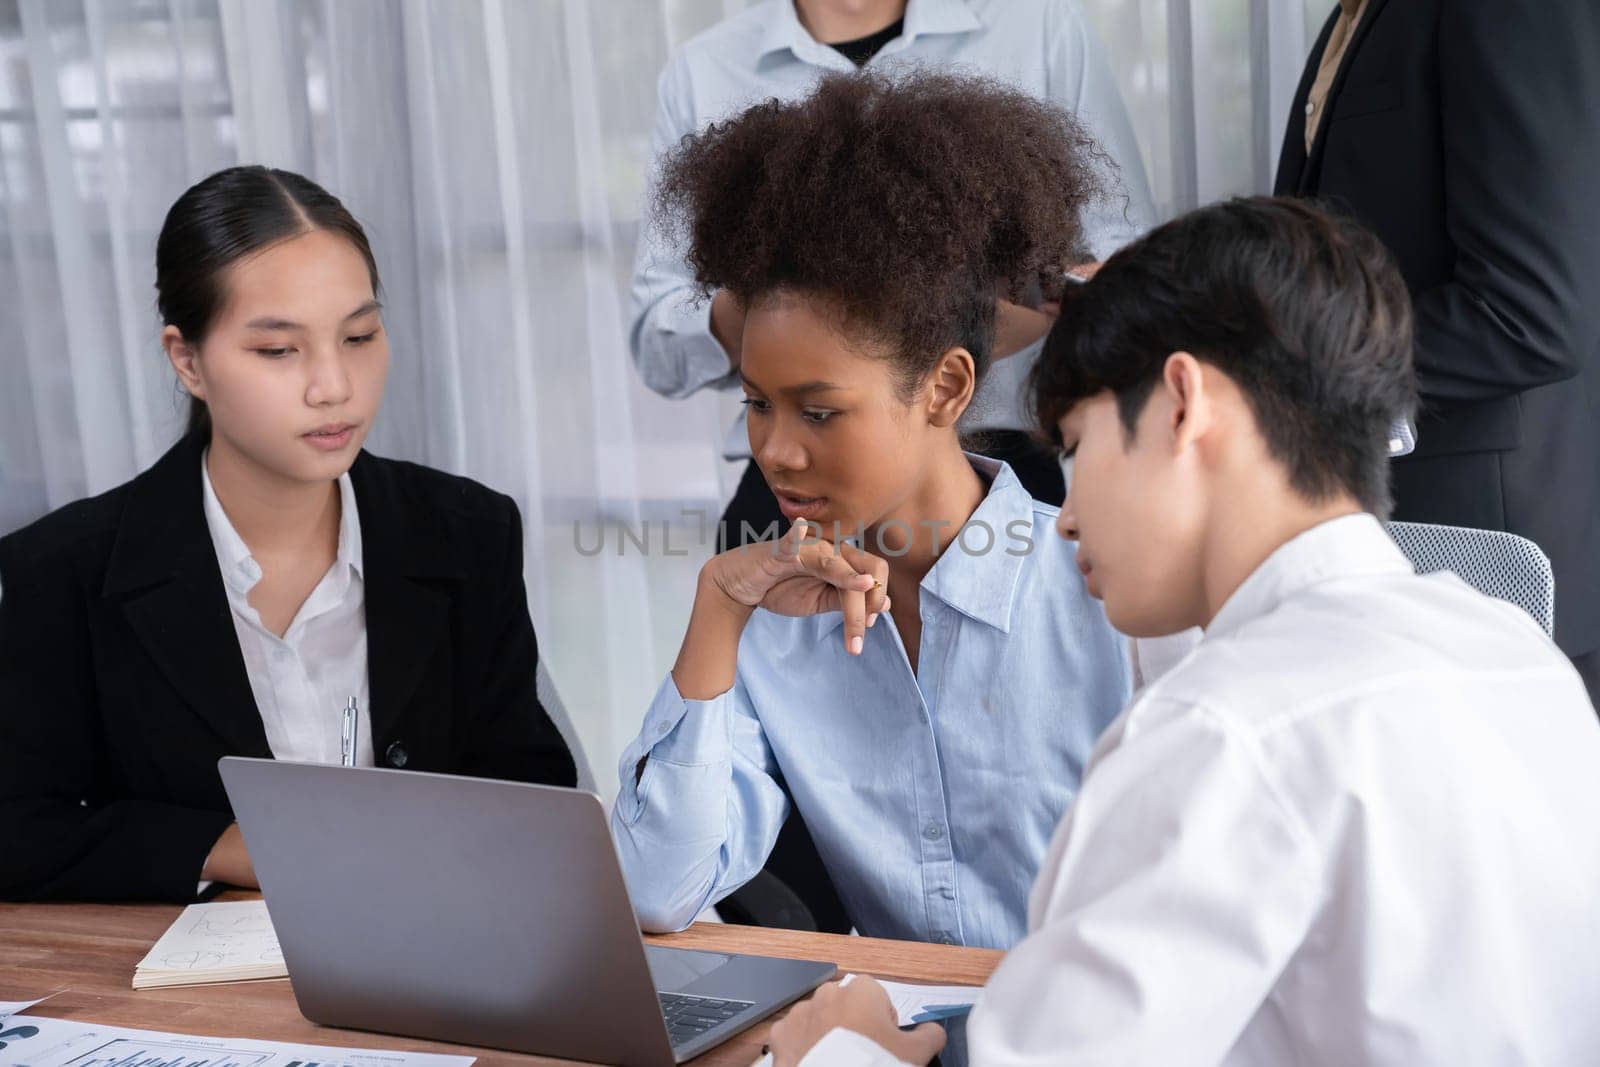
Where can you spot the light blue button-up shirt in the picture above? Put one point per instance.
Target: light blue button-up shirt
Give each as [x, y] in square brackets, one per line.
[1045, 48]
[931, 795]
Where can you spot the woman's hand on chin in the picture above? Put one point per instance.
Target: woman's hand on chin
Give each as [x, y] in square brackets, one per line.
[802, 574]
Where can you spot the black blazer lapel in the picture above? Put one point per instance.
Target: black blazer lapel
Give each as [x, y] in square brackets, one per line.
[164, 571]
[1313, 164]
[1292, 157]
[405, 552]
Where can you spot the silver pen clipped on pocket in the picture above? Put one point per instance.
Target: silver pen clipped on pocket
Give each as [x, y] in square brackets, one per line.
[347, 735]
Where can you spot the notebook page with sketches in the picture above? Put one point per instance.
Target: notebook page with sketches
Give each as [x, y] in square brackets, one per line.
[232, 941]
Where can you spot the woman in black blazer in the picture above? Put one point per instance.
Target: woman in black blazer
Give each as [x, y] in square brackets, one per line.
[123, 675]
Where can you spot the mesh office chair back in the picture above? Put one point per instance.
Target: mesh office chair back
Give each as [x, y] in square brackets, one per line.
[1498, 564]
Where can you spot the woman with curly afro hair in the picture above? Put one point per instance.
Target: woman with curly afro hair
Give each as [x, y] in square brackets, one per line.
[917, 659]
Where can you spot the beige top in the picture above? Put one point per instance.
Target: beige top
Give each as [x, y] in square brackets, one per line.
[1332, 56]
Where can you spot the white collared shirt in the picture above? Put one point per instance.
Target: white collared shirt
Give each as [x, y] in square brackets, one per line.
[1045, 48]
[302, 680]
[1357, 825]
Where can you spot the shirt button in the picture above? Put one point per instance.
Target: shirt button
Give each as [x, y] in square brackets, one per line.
[1311, 107]
[933, 831]
[397, 755]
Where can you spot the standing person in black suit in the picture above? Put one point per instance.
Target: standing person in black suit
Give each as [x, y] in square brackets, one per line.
[1464, 133]
[233, 597]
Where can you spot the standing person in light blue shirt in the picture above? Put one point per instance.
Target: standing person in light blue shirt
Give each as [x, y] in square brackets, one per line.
[917, 659]
[778, 50]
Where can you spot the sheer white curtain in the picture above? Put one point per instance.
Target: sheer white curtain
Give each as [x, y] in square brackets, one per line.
[495, 150]
[1208, 83]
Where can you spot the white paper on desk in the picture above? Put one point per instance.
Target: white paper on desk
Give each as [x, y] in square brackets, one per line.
[922, 1003]
[35, 1042]
[11, 1007]
[914, 1003]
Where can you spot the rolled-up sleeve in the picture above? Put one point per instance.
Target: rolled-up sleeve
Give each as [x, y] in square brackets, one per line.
[670, 335]
[701, 817]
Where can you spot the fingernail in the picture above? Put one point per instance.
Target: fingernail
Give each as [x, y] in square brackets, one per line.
[871, 620]
[855, 646]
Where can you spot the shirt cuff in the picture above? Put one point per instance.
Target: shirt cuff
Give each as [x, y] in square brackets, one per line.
[698, 361]
[672, 734]
[846, 1048]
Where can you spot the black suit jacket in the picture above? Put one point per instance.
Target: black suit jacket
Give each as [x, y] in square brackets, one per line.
[1466, 134]
[122, 683]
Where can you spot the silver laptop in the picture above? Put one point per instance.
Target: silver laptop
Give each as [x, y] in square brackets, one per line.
[480, 912]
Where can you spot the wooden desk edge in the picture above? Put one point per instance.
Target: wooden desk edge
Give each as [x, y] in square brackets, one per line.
[907, 961]
[86, 954]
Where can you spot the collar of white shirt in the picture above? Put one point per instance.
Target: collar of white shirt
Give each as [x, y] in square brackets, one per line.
[978, 572]
[240, 571]
[922, 17]
[1351, 546]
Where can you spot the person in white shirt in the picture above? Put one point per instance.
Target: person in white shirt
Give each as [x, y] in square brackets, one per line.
[1356, 824]
[779, 49]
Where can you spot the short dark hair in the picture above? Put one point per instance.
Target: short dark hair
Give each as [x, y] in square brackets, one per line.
[223, 218]
[1303, 309]
[905, 202]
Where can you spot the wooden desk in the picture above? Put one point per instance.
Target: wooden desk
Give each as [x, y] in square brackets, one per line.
[89, 951]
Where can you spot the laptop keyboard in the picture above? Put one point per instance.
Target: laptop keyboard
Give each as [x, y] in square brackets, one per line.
[689, 1017]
